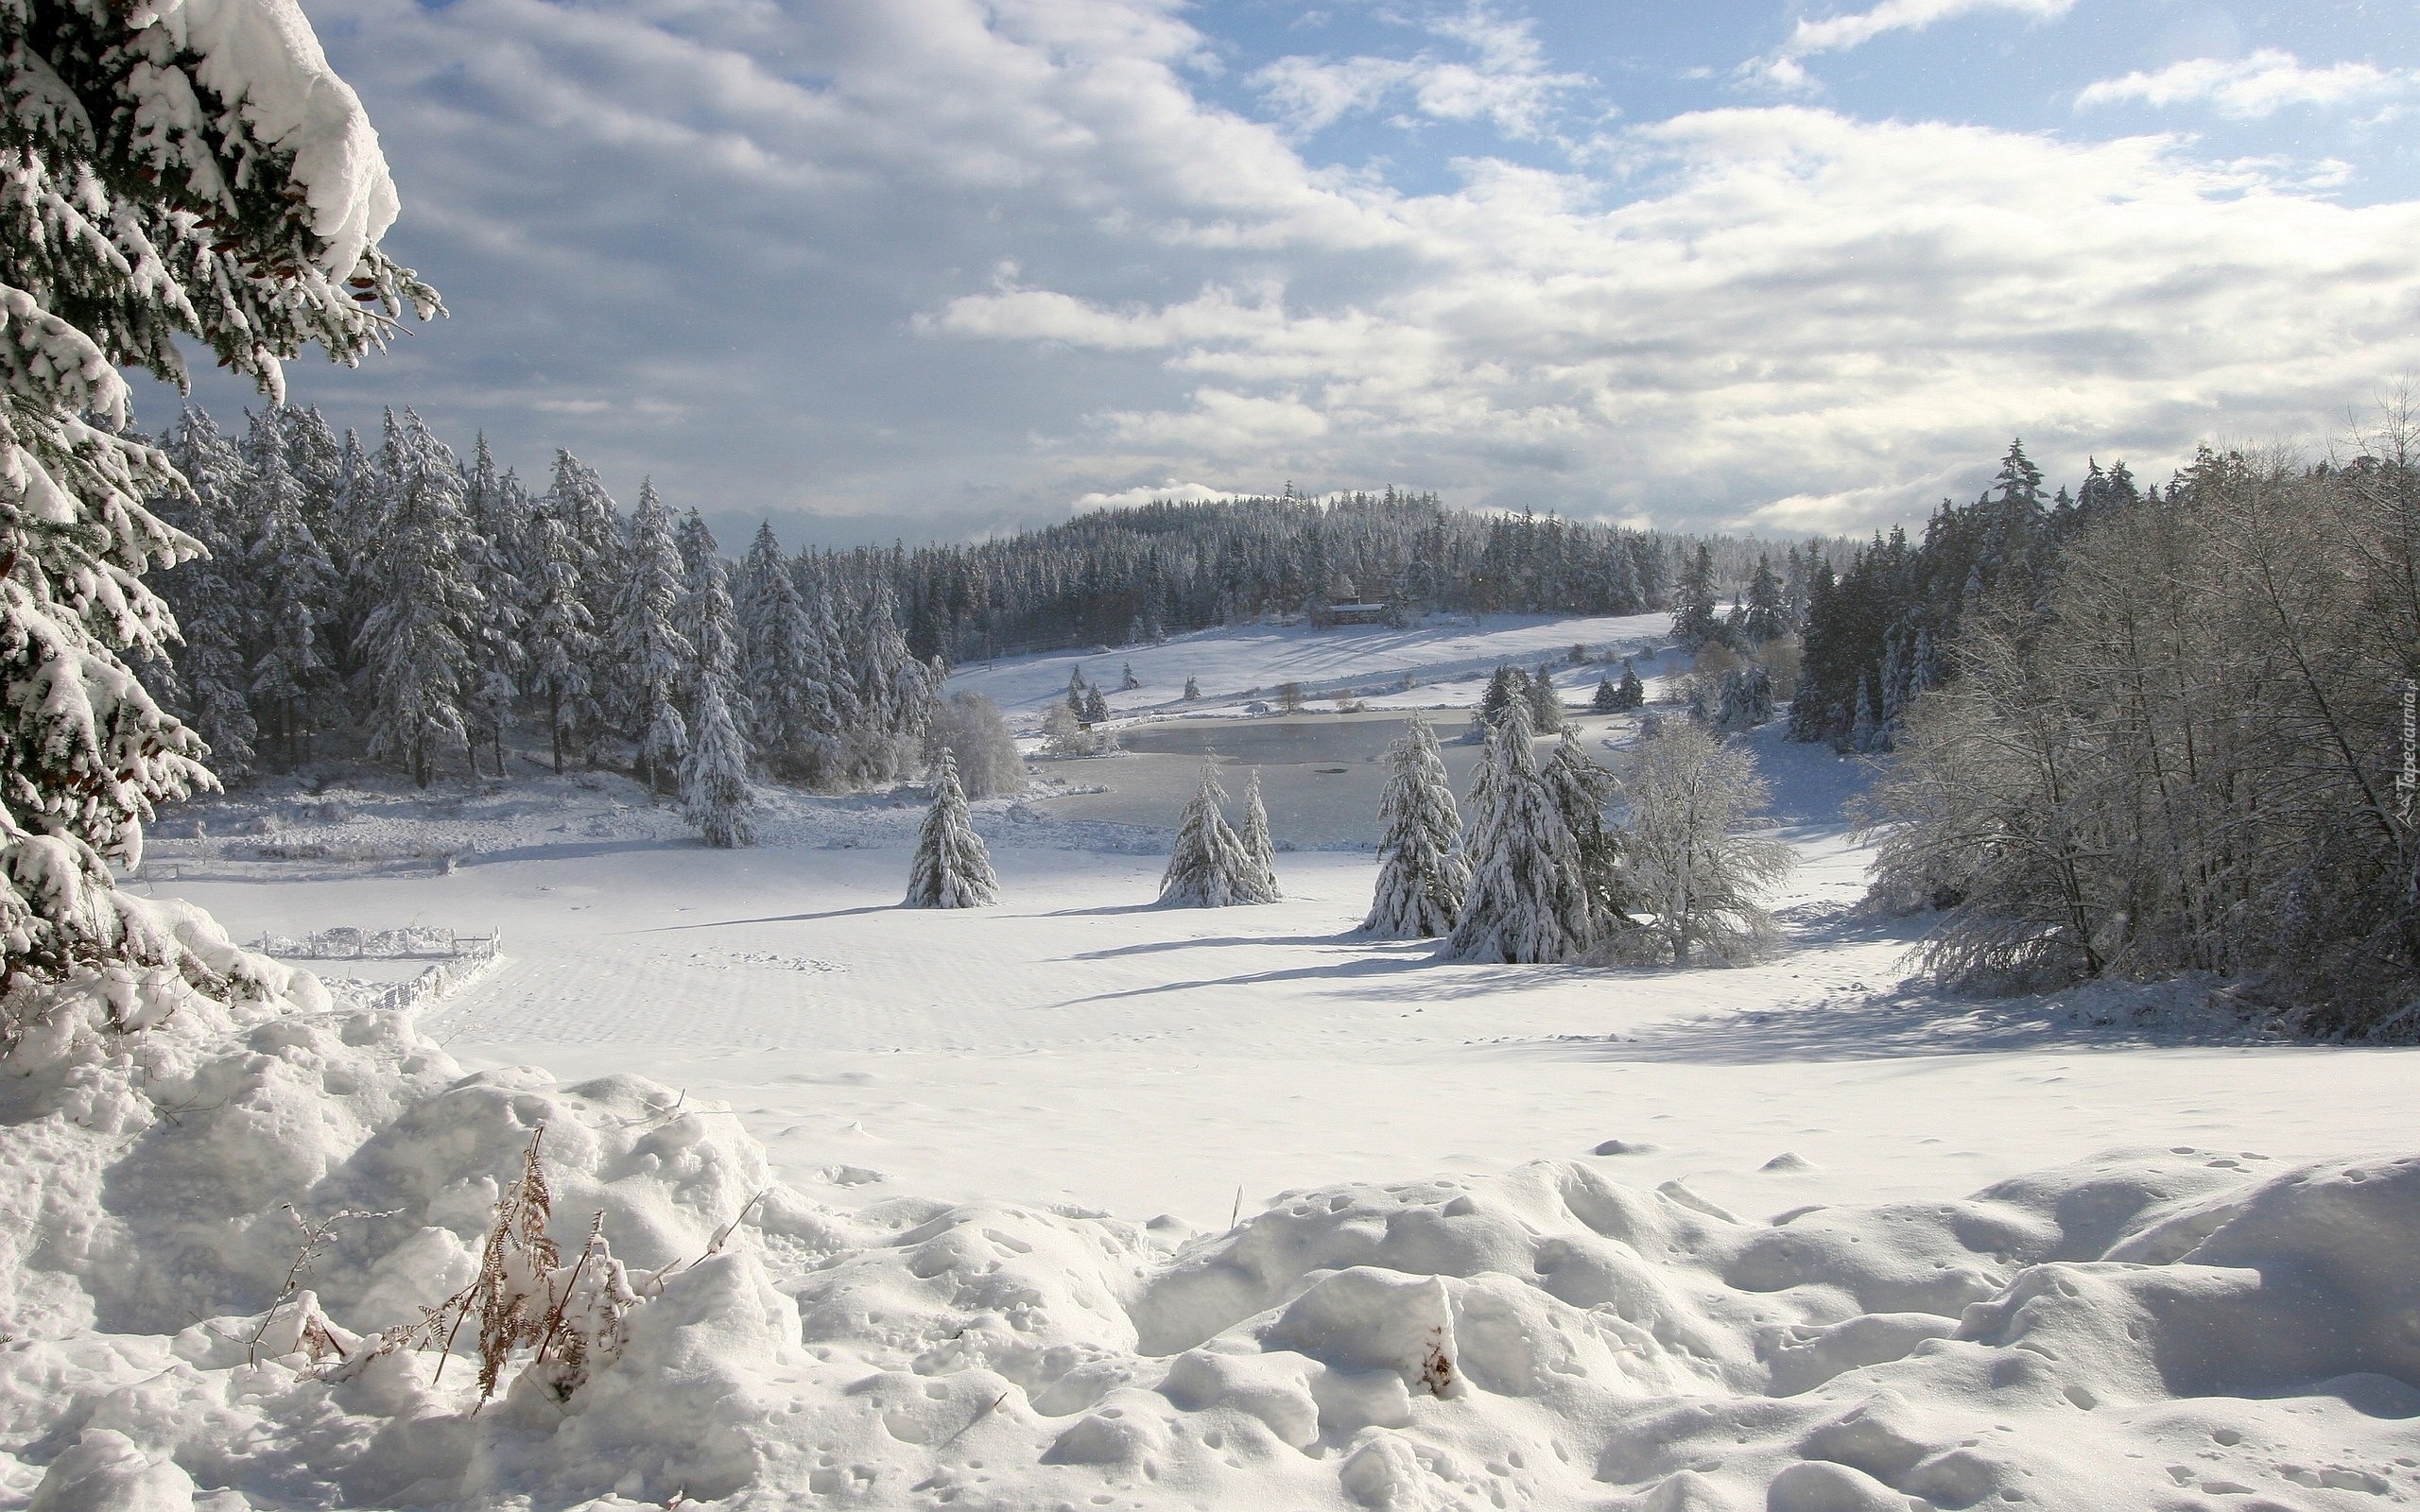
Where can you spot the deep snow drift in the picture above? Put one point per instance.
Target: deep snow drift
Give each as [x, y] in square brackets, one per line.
[941, 1154]
[2144, 1329]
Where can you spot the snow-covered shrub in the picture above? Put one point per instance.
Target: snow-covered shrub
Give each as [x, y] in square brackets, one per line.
[1696, 866]
[970, 727]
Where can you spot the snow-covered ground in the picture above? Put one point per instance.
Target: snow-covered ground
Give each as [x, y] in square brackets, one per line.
[1501, 1237]
[1447, 657]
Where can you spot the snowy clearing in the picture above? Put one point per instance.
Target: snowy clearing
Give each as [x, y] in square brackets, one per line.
[1793, 1235]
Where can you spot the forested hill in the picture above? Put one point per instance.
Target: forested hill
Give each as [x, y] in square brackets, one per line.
[1124, 574]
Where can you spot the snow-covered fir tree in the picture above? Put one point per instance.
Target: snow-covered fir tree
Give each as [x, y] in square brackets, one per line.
[423, 608]
[1695, 620]
[1527, 901]
[577, 496]
[952, 868]
[785, 666]
[1545, 702]
[294, 582]
[559, 638]
[212, 595]
[1192, 690]
[651, 656]
[1607, 699]
[498, 515]
[1632, 692]
[1422, 874]
[1582, 790]
[1259, 884]
[123, 231]
[715, 792]
[1207, 867]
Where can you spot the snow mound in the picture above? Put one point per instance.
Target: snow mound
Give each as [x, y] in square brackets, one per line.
[2140, 1330]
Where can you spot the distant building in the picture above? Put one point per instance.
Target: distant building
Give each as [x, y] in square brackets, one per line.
[1356, 614]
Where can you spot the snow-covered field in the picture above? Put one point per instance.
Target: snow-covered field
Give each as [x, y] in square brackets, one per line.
[1083, 1203]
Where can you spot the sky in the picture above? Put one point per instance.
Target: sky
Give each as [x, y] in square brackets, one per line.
[876, 270]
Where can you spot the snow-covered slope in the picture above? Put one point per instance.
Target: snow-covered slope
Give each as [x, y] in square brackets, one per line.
[1079, 1203]
[1240, 664]
[2141, 1329]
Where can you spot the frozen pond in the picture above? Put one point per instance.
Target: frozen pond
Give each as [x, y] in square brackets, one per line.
[1321, 774]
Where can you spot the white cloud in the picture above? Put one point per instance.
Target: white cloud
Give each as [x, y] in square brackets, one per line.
[1832, 34]
[2253, 86]
[1172, 490]
[1784, 70]
[1504, 79]
[961, 263]
[1807, 321]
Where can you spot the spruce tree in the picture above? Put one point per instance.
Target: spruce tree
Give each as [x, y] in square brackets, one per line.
[1527, 901]
[1192, 690]
[1608, 698]
[1634, 693]
[1206, 868]
[715, 792]
[1259, 884]
[786, 668]
[594, 521]
[1503, 687]
[1421, 875]
[561, 639]
[1580, 790]
[1766, 619]
[651, 654]
[212, 593]
[1695, 620]
[491, 550]
[145, 200]
[422, 604]
[295, 582]
[1546, 703]
[952, 869]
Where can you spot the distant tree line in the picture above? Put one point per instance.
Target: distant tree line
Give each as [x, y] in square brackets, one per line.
[1119, 577]
[396, 600]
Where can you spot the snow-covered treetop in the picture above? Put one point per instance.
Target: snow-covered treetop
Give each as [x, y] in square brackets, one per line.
[184, 167]
[263, 53]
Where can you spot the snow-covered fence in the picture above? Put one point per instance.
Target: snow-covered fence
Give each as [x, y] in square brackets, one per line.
[412, 942]
[438, 980]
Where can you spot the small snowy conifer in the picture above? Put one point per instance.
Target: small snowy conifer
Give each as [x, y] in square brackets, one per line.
[952, 868]
[1527, 901]
[1422, 874]
[296, 582]
[1260, 851]
[715, 793]
[1207, 867]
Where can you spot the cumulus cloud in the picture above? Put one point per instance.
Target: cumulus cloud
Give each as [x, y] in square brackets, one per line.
[953, 264]
[2248, 88]
[1808, 321]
